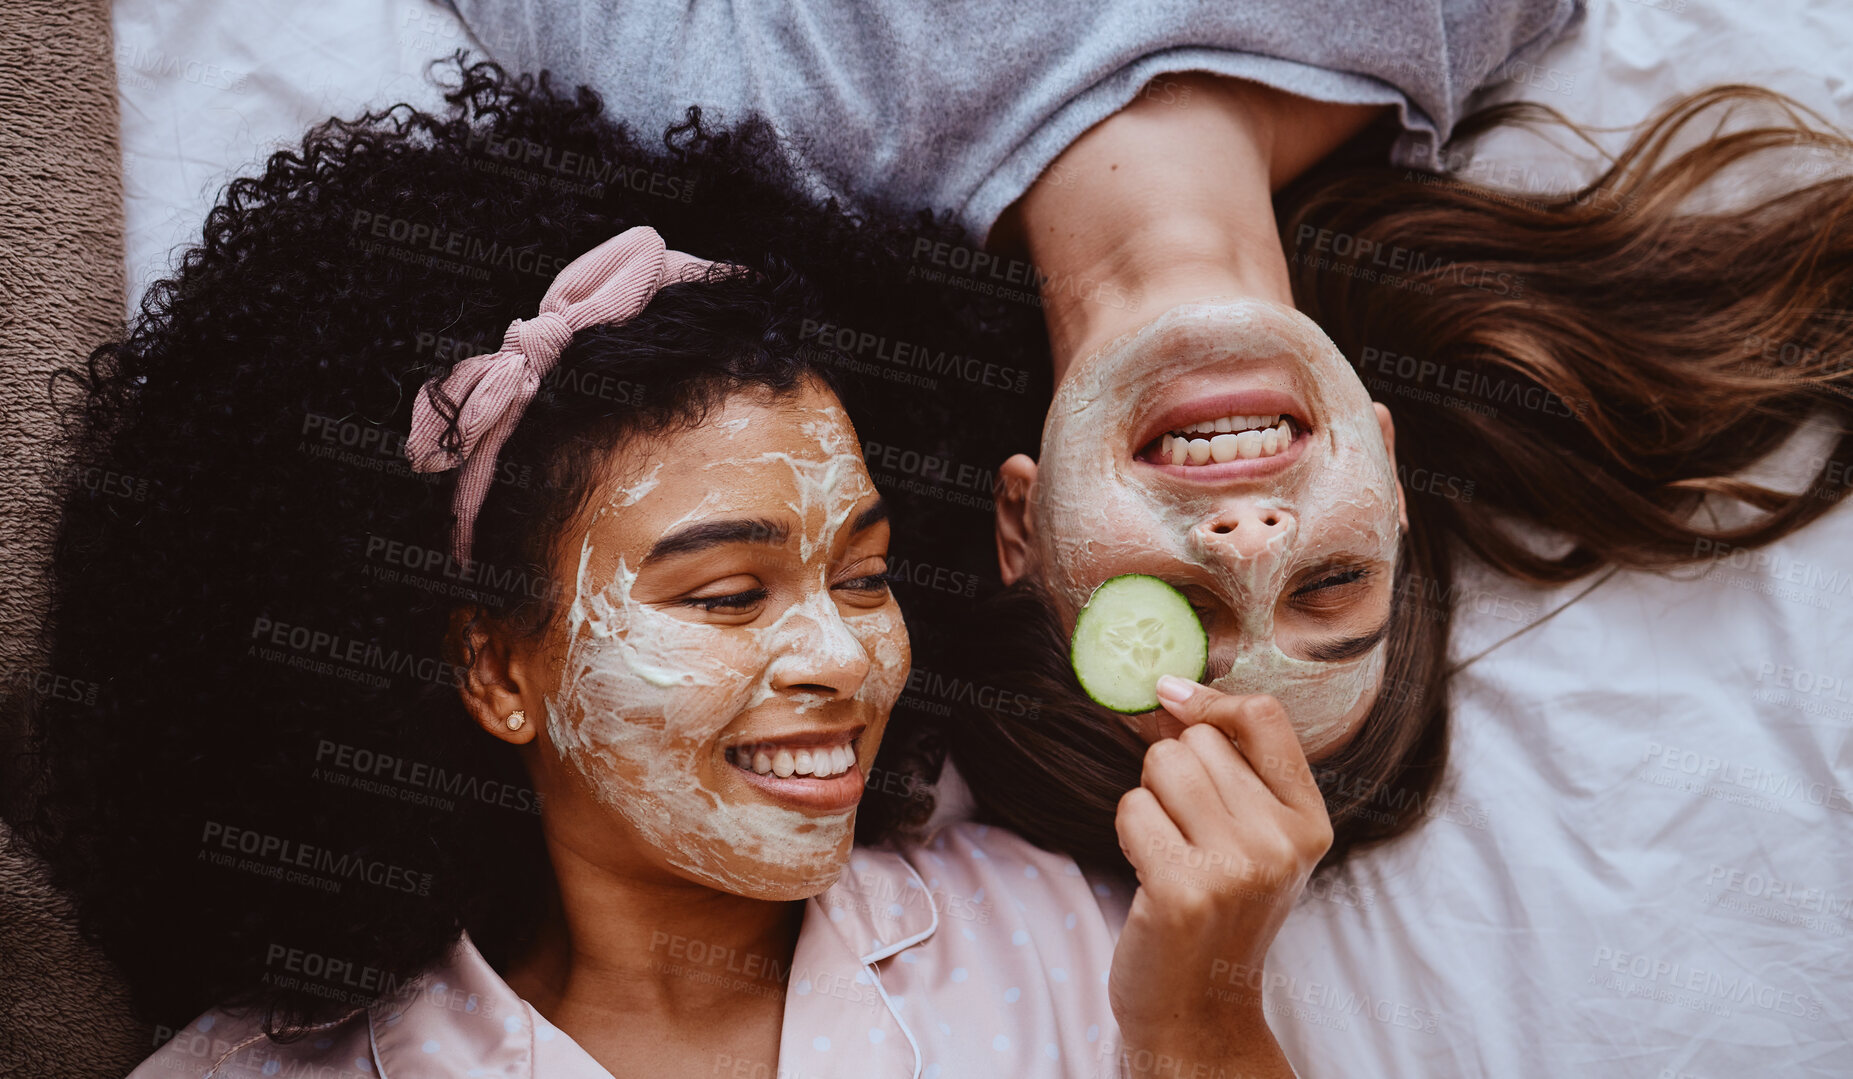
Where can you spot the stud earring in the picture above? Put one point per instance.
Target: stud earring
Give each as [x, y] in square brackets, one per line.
[517, 719]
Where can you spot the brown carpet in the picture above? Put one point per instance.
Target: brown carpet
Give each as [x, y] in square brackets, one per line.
[62, 1012]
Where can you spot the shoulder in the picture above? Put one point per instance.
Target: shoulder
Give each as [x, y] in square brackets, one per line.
[985, 878]
[968, 850]
[232, 1042]
[1014, 978]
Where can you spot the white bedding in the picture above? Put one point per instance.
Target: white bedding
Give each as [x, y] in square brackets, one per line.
[1643, 866]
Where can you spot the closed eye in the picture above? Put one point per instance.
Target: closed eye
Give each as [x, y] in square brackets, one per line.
[1333, 580]
[874, 582]
[737, 601]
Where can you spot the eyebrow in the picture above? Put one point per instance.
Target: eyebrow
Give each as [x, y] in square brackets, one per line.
[1343, 648]
[708, 534]
[700, 537]
[870, 517]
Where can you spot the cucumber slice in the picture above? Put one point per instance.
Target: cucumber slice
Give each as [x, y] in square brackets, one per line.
[1131, 630]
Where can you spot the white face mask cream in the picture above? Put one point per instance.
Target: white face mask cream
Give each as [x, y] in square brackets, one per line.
[1286, 520]
[656, 696]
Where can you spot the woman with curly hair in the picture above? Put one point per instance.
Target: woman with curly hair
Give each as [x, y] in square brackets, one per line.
[507, 708]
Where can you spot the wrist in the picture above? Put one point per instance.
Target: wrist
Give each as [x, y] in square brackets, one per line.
[1204, 1054]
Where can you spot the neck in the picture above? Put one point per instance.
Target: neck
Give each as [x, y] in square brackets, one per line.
[616, 944]
[1169, 201]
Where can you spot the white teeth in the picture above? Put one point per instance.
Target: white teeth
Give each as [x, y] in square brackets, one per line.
[820, 762]
[1231, 438]
[1227, 425]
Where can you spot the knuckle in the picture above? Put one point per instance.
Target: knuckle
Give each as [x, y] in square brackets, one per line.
[1201, 736]
[1159, 752]
[1263, 708]
[1277, 850]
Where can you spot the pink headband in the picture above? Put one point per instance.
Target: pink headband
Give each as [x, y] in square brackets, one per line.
[610, 283]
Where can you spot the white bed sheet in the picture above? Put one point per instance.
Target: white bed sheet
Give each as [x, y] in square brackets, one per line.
[1643, 866]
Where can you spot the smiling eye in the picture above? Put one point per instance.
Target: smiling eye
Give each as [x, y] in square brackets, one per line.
[1332, 580]
[737, 601]
[874, 582]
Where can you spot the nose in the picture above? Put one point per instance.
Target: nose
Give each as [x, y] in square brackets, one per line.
[818, 654]
[1244, 529]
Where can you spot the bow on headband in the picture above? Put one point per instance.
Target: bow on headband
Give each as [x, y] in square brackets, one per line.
[609, 284]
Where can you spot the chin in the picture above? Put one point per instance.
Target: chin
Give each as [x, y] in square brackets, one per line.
[785, 884]
[808, 873]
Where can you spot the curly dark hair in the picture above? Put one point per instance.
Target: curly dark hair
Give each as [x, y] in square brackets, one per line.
[270, 759]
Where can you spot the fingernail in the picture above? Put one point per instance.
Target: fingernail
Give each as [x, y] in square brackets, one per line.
[1174, 690]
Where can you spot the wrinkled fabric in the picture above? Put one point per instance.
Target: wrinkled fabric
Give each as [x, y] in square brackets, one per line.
[973, 954]
[961, 106]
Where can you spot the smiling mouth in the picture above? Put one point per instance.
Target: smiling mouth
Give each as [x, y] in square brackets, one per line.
[818, 771]
[1219, 441]
[1228, 436]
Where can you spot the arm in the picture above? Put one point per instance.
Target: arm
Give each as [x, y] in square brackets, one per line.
[1169, 200]
[1223, 831]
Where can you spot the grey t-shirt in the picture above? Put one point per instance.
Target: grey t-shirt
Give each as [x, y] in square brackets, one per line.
[961, 104]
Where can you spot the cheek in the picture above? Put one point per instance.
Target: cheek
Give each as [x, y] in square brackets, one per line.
[883, 637]
[1091, 525]
[657, 692]
[1358, 488]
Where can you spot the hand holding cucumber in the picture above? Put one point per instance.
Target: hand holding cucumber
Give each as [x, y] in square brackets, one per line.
[1223, 831]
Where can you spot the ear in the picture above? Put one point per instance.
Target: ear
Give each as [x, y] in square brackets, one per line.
[489, 685]
[1388, 427]
[1016, 533]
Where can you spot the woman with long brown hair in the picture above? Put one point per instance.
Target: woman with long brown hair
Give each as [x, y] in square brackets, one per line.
[1627, 317]
[1648, 339]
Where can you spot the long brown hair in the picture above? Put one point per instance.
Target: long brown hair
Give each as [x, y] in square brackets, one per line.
[1589, 366]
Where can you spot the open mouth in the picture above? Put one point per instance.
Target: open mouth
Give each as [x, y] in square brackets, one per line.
[1219, 441]
[1227, 436]
[786, 759]
[816, 771]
